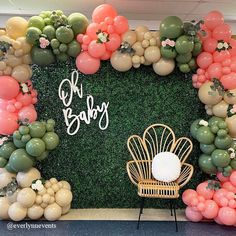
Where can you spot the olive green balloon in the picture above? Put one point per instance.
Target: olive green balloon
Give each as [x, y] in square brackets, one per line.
[233, 145]
[204, 135]
[168, 53]
[214, 120]
[194, 128]
[74, 49]
[206, 165]
[184, 58]
[233, 164]
[43, 156]
[185, 68]
[207, 148]
[10, 169]
[220, 158]
[18, 143]
[37, 129]
[20, 161]
[7, 149]
[171, 27]
[25, 138]
[3, 162]
[51, 140]
[35, 147]
[197, 49]
[184, 44]
[223, 143]
[228, 169]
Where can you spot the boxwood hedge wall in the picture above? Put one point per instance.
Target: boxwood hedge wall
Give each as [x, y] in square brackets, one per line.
[94, 161]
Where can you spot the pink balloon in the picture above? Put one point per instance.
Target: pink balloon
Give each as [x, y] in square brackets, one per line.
[204, 59]
[194, 202]
[34, 100]
[25, 99]
[209, 45]
[192, 215]
[214, 70]
[195, 78]
[227, 216]
[110, 29]
[8, 122]
[109, 20]
[213, 19]
[200, 71]
[92, 30]
[221, 177]
[221, 56]
[229, 81]
[232, 43]
[114, 42]
[228, 186]
[18, 105]
[226, 70]
[11, 108]
[220, 193]
[201, 78]
[79, 38]
[106, 56]
[201, 206]
[85, 47]
[96, 49]
[218, 221]
[188, 195]
[223, 202]
[9, 87]
[28, 113]
[232, 203]
[87, 64]
[230, 195]
[206, 34]
[203, 190]
[86, 39]
[233, 66]
[233, 178]
[3, 104]
[211, 209]
[222, 32]
[226, 62]
[103, 11]
[121, 24]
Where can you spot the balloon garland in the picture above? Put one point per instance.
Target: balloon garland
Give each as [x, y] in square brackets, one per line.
[52, 36]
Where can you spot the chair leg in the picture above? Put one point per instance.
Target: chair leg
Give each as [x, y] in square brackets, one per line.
[171, 213]
[176, 222]
[141, 210]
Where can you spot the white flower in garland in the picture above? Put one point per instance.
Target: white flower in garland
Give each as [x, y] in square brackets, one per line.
[103, 37]
[226, 45]
[203, 122]
[24, 87]
[220, 45]
[38, 185]
[232, 154]
[2, 140]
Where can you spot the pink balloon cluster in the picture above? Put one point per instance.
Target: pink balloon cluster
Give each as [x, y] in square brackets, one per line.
[102, 37]
[218, 58]
[207, 203]
[15, 104]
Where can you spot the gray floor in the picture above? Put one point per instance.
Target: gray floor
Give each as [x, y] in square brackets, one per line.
[103, 228]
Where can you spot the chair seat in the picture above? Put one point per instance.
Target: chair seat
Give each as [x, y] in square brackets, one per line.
[157, 189]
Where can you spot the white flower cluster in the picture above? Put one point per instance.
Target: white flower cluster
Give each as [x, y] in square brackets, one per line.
[38, 185]
[222, 46]
[203, 122]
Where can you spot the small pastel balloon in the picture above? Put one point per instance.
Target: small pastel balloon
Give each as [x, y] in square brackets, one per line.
[222, 32]
[103, 26]
[213, 19]
[205, 34]
[34, 100]
[109, 20]
[214, 70]
[87, 64]
[121, 24]
[110, 29]
[200, 71]
[9, 87]
[96, 49]
[223, 202]
[140, 31]
[226, 70]
[209, 45]
[201, 206]
[226, 62]
[201, 78]
[229, 186]
[79, 38]
[92, 30]
[8, 122]
[204, 59]
[194, 78]
[28, 113]
[24, 98]
[193, 215]
[85, 47]
[227, 216]
[220, 109]
[103, 11]
[229, 81]
[188, 195]
[114, 42]
[221, 177]
[203, 190]
[221, 56]
[21, 73]
[11, 108]
[233, 178]
[129, 37]
[86, 39]
[106, 56]
[211, 209]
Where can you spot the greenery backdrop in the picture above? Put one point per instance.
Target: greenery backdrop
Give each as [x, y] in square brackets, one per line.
[94, 161]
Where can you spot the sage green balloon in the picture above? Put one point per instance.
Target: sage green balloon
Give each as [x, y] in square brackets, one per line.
[233, 145]
[35, 147]
[214, 120]
[168, 53]
[228, 169]
[171, 27]
[20, 161]
[206, 165]
[37, 129]
[25, 138]
[7, 149]
[184, 68]
[220, 158]
[3, 162]
[207, 148]
[194, 128]
[184, 58]
[233, 164]
[43, 156]
[10, 169]
[204, 135]
[18, 143]
[223, 143]
[197, 49]
[184, 44]
[51, 140]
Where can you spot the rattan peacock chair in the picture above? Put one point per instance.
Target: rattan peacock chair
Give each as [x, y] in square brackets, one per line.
[157, 138]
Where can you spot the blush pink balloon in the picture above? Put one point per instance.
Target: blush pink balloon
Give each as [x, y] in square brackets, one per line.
[221, 177]
[211, 209]
[214, 70]
[109, 20]
[103, 11]
[86, 39]
[9, 87]
[11, 108]
[194, 202]
[222, 32]
[87, 64]
[92, 30]
[96, 49]
[206, 34]
[79, 38]
[195, 78]
[213, 19]
[221, 56]
[229, 81]
[204, 59]
[228, 186]
[232, 203]
[28, 113]
[106, 56]
[85, 47]
[103, 26]
[217, 220]
[114, 43]
[233, 66]
[232, 43]
[25, 99]
[188, 195]
[226, 70]
[209, 45]
[110, 29]
[223, 202]
[233, 178]
[227, 216]
[3, 104]
[193, 215]
[220, 193]
[226, 62]
[201, 206]
[121, 24]
[203, 190]
[200, 71]
[18, 105]
[8, 122]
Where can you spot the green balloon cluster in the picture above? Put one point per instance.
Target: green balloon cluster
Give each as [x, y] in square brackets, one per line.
[186, 47]
[216, 145]
[31, 143]
[60, 31]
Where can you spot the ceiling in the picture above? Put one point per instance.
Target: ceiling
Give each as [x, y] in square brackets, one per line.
[149, 11]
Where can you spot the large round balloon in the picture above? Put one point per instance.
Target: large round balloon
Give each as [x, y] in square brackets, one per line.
[78, 22]
[121, 61]
[164, 66]
[16, 27]
[184, 44]
[103, 11]
[222, 32]
[8, 122]
[213, 19]
[229, 81]
[35, 147]
[9, 88]
[51, 140]
[28, 113]
[37, 129]
[220, 158]
[206, 165]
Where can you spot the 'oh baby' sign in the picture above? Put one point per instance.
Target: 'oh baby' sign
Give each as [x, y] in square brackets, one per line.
[67, 90]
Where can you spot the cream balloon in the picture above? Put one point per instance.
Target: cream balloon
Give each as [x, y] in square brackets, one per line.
[55, 187]
[66, 209]
[52, 212]
[6, 39]
[17, 212]
[7, 71]
[164, 66]
[3, 65]
[13, 61]
[4, 206]
[139, 50]
[25, 179]
[230, 99]
[220, 109]
[26, 197]
[156, 35]
[2, 32]
[35, 212]
[6, 178]
[21, 73]
[63, 197]
[129, 37]
[27, 59]
[26, 47]
[16, 27]
[231, 121]
[46, 198]
[207, 95]
[13, 198]
[38, 199]
[152, 54]
[121, 61]
[53, 181]
[140, 31]
[65, 184]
